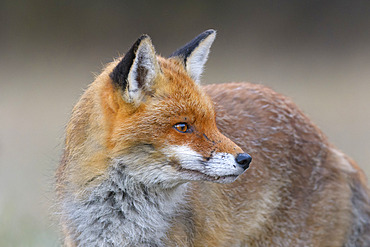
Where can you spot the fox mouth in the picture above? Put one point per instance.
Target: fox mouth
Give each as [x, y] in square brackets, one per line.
[191, 166]
[198, 175]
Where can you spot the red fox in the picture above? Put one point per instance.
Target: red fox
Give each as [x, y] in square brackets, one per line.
[152, 158]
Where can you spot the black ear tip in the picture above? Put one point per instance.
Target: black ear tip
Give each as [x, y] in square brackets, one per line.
[120, 72]
[143, 37]
[209, 32]
[187, 49]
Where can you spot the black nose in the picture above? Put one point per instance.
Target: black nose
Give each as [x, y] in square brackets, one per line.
[243, 160]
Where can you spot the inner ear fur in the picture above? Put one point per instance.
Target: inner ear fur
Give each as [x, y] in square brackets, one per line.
[136, 72]
[194, 54]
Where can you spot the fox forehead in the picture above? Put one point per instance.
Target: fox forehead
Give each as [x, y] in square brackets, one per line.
[176, 98]
[183, 94]
[175, 95]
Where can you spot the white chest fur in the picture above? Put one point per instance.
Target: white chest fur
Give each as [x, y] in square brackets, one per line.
[123, 212]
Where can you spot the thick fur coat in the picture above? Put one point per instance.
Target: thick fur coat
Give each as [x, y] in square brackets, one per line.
[153, 159]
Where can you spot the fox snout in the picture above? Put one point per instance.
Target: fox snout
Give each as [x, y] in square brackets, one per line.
[243, 160]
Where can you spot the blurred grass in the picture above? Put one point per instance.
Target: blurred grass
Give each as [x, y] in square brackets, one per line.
[19, 229]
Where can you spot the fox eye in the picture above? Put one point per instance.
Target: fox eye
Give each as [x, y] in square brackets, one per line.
[182, 127]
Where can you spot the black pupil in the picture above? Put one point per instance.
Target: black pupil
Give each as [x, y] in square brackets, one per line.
[181, 127]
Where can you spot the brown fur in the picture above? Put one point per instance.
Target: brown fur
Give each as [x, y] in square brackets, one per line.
[298, 191]
[307, 179]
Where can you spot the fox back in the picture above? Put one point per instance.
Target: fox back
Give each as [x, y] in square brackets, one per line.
[152, 158]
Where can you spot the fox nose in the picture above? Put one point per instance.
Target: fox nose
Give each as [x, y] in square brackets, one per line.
[243, 160]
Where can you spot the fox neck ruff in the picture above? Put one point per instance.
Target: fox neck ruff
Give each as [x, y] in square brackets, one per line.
[123, 212]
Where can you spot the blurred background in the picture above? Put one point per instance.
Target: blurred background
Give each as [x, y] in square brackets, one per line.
[316, 52]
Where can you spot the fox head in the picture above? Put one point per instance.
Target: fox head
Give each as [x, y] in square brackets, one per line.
[158, 124]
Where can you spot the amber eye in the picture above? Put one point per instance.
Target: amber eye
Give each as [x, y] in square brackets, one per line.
[182, 127]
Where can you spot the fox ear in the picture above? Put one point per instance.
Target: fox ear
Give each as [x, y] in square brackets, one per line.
[195, 53]
[136, 72]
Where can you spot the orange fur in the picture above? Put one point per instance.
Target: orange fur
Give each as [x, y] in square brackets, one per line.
[299, 190]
